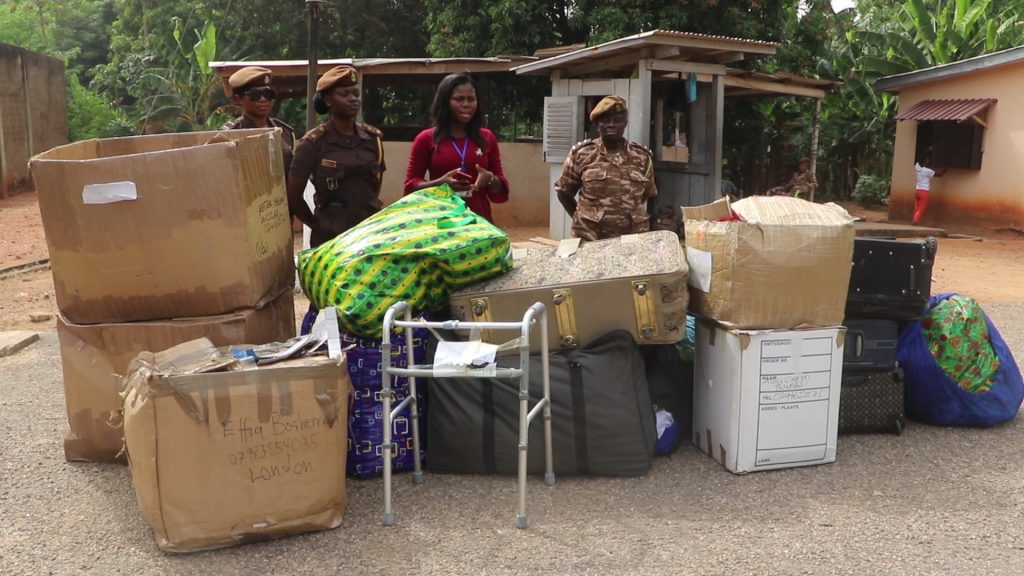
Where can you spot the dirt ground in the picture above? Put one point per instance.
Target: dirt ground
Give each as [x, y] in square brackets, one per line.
[987, 268]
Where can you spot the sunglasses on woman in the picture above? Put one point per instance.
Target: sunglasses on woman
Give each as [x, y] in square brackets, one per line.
[256, 94]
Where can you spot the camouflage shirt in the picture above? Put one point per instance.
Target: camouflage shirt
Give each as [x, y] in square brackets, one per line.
[287, 142]
[613, 189]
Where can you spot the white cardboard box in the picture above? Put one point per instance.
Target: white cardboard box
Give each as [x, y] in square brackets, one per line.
[766, 399]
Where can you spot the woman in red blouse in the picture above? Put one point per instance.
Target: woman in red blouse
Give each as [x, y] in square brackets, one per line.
[458, 146]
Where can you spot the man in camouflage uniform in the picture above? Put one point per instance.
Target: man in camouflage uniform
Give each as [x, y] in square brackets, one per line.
[251, 91]
[613, 178]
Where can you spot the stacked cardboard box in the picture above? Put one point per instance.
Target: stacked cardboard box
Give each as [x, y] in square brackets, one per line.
[225, 457]
[768, 278]
[156, 240]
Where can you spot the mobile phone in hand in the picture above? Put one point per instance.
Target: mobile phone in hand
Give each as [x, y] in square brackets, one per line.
[460, 175]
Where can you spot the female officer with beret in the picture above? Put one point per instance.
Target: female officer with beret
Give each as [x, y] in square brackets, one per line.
[251, 91]
[343, 158]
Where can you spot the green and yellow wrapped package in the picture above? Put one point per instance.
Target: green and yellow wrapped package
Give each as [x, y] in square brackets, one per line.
[419, 249]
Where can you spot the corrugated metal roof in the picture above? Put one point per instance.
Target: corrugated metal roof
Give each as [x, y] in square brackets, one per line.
[697, 35]
[952, 110]
[945, 71]
[672, 45]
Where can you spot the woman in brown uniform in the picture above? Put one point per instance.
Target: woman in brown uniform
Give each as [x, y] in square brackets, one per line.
[343, 158]
[252, 92]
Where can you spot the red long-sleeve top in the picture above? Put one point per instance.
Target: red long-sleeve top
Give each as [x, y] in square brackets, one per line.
[443, 158]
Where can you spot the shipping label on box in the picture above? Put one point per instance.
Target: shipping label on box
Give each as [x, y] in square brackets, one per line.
[767, 399]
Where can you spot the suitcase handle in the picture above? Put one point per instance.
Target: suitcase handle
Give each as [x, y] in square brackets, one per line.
[858, 343]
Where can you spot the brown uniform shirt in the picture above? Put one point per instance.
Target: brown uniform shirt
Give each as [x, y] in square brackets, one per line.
[346, 171]
[613, 189]
[287, 143]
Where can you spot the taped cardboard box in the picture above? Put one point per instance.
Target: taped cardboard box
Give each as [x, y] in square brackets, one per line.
[94, 356]
[166, 226]
[228, 457]
[767, 399]
[784, 264]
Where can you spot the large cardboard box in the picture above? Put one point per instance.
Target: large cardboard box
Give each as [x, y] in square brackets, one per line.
[767, 399]
[229, 457]
[167, 226]
[93, 356]
[784, 264]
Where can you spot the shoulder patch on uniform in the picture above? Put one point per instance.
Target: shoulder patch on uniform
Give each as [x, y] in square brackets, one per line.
[645, 149]
[580, 145]
[231, 124]
[316, 132]
[282, 124]
[372, 130]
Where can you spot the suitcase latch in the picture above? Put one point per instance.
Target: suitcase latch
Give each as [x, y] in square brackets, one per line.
[565, 315]
[481, 309]
[643, 306]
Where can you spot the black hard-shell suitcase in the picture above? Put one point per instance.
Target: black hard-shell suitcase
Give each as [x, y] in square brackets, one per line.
[870, 345]
[891, 279]
[602, 417]
[872, 402]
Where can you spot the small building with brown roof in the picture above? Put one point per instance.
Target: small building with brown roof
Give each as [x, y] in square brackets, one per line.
[969, 115]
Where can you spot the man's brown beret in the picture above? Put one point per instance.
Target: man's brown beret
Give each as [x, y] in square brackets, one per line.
[608, 105]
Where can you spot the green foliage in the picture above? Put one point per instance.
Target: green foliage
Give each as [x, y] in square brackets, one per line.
[871, 191]
[90, 116]
[187, 90]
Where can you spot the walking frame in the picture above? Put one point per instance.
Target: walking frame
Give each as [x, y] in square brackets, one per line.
[535, 313]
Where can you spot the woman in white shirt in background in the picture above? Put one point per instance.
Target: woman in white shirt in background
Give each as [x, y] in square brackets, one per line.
[925, 173]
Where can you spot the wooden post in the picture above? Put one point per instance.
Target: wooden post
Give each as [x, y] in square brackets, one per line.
[313, 21]
[814, 143]
[715, 133]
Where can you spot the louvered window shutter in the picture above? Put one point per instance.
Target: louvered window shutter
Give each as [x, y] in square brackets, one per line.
[563, 126]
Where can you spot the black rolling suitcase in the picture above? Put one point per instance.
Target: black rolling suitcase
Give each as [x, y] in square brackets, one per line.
[602, 417]
[872, 402]
[891, 279]
[870, 345]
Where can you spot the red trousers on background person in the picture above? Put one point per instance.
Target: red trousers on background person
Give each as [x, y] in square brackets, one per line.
[920, 203]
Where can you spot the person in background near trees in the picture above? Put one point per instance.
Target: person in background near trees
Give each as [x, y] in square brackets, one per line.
[925, 173]
[803, 180]
[613, 178]
[252, 92]
[344, 160]
[458, 151]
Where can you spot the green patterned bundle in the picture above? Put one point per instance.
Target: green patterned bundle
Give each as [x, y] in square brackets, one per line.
[419, 249]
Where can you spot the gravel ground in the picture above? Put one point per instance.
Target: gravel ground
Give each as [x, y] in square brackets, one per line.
[933, 501]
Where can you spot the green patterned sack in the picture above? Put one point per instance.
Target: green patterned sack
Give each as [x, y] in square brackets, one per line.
[958, 338]
[419, 249]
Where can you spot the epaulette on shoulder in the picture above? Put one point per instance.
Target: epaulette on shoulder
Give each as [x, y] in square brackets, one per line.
[282, 124]
[645, 149]
[230, 124]
[316, 132]
[581, 145]
[372, 130]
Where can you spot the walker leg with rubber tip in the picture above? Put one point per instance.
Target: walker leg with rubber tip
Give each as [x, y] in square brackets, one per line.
[417, 471]
[524, 436]
[385, 375]
[549, 460]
